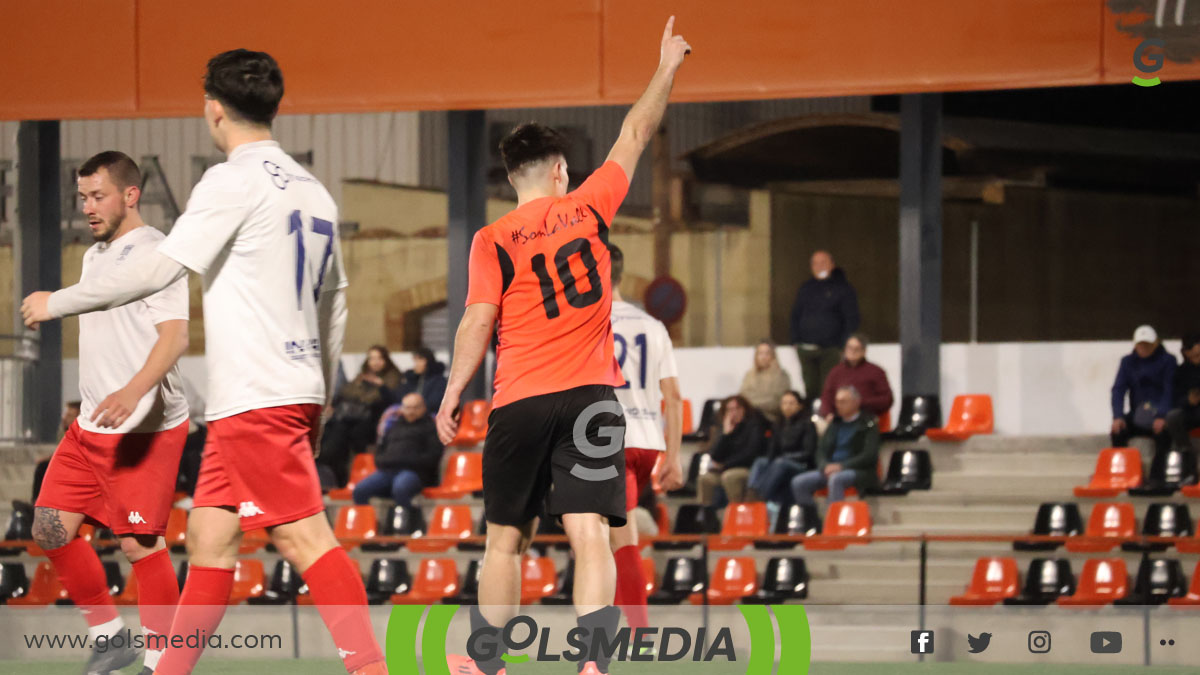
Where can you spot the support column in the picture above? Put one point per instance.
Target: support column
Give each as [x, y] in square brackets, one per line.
[920, 243]
[37, 256]
[467, 195]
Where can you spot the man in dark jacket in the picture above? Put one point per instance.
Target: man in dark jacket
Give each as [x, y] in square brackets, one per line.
[824, 315]
[1146, 375]
[407, 458]
[848, 453]
[1185, 414]
[856, 371]
[743, 439]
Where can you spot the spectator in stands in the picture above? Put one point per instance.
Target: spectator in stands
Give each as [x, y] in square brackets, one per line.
[408, 458]
[741, 441]
[765, 382]
[69, 415]
[847, 454]
[1146, 375]
[1185, 415]
[824, 315]
[357, 408]
[790, 451]
[855, 371]
[427, 378]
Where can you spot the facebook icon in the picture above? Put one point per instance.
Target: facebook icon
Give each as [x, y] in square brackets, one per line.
[921, 642]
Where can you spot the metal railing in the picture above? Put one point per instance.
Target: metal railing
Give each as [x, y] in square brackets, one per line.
[17, 356]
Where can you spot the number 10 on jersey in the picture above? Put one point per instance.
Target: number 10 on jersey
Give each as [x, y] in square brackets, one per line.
[319, 227]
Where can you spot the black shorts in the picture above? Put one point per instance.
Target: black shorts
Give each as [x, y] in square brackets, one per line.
[532, 460]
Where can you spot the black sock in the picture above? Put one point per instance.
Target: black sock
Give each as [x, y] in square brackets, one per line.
[605, 620]
[495, 664]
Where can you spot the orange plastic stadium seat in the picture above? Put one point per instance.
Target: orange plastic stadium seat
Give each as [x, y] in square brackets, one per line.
[129, 594]
[732, 579]
[1189, 544]
[362, 466]
[472, 424]
[177, 530]
[253, 541]
[970, 414]
[248, 581]
[885, 422]
[355, 522]
[651, 575]
[538, 579]
[436, 578]
[747, 519]
[86, 532]
[1192, 490]
[464, 475]
[45, 589]
[447, 521]
[1117, 470]
[844, 519]
[1100, 582]
[662, 518]
[1192, 599]
[1108, 519]
[994, 580]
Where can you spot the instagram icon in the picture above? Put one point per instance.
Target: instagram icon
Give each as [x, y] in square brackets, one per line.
[1039, 642]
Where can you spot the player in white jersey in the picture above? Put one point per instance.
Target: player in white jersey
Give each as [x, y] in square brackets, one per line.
[643, 349]
[116, 465]
[263, 233]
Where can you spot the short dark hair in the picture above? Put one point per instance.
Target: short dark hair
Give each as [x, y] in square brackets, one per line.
[862, 340]
[121, 168]
[1190, 340]
[531, 142]
[249, 84]
[618, 263]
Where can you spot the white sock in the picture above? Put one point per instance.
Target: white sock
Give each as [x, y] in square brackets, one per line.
[106, 629]
[152, 658]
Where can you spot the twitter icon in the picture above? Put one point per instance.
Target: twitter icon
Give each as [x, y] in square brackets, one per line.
[979, 644]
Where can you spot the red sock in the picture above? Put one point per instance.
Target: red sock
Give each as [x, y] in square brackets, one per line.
[158, 594]
[201, 606]
[631, 586]
[337, 591]
[80, 572]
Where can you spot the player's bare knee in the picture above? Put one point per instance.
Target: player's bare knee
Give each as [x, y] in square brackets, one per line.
[49, 531]
[586, 531]
[138, 546]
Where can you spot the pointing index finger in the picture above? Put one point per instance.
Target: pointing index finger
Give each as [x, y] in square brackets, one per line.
[669, 30]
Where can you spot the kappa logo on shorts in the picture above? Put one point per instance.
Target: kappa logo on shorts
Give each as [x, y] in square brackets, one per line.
[136, 518]
[248, 509]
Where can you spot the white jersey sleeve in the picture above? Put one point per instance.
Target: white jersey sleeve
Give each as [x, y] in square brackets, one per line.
[215, 211]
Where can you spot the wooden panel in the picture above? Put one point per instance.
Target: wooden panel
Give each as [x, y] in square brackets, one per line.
[1128, 22]
[379, 54]
[62, 58]
[824, 48]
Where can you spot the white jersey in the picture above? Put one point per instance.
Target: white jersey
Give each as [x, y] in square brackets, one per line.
[263, 233]
[642, 347]
[114, 344]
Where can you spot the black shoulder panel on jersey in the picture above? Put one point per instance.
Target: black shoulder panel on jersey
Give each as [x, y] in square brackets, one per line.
[507, 269]
[601, 226]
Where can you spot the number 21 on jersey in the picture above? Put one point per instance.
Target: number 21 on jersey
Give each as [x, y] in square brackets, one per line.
[639, 341]
[321, 228]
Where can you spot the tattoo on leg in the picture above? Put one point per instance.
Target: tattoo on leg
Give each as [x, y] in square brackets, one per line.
[48, 529]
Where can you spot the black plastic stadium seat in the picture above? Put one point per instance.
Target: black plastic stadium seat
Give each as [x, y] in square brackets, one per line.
[181, 574]
[1046, 580]
[468, 592]
[387, 576]
[1060, 519]
[112, 573]
[909, 469]
[20, 527]
[284, 587]
[785, 579]
[708, 418]
[562, 594]
[917, 413]
[400, 521]
[1163, 520]
[481, 530]
[1157, 582]
[798, 520]
[693, 474]
[682, 577]
[1169, 471]
[105, 541]
[13, 581]
[691, 519]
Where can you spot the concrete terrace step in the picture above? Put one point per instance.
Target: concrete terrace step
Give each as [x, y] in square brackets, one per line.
[1012, 518]
[1051, 486]
[880, 591]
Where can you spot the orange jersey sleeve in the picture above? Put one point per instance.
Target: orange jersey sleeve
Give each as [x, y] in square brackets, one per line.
[485, 278]
[604, 190]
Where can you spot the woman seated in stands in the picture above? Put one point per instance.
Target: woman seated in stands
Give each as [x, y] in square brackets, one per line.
[790, 451]
[427, 378]
[357, 408]
[765, 382]
[741, 441]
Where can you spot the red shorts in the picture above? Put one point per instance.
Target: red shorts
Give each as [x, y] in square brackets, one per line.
[639, 469]
[121, 481]
[260, 462]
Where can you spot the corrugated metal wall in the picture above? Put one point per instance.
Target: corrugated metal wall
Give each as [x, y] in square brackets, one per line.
[690, 125]
[378, 146]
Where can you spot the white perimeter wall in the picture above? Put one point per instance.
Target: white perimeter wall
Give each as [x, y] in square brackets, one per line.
[1049, 388]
